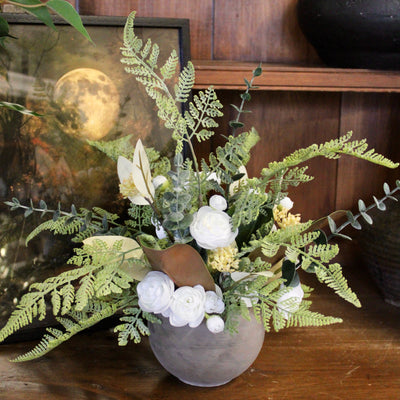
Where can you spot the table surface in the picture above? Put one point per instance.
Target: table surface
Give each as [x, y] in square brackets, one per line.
[358, 360]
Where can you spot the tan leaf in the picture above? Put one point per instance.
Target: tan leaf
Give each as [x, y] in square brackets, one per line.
[182, 263]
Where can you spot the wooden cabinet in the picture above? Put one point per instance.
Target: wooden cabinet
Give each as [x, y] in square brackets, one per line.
[296, 106]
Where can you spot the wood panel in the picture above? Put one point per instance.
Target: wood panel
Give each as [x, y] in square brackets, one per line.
[260, 30]
[198, 11]
[375, 117]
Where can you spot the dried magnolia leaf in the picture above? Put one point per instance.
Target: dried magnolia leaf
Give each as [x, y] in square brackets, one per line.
[182, 263]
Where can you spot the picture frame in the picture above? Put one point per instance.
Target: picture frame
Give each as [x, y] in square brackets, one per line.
[82, 92]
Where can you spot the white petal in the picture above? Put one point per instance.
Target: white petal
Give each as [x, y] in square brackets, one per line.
[124, 168]
[139, 200]
[141, 173]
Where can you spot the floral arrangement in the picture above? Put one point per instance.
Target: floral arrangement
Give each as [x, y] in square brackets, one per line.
[202, 240]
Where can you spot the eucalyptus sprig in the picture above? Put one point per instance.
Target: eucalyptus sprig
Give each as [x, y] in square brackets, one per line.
[353, 220]
[235, 124]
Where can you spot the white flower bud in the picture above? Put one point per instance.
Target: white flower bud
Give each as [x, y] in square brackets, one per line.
[214, 304]
[218, 202]
[287, 203]
[215, 324]
[159, 180]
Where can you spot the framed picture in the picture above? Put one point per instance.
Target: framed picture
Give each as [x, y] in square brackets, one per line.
[83, 92]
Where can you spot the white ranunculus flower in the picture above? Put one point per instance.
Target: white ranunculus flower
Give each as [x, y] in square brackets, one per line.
[187, 306]
[214, 304]
[218, 202]
[212, 228]
[287, 203]
[290, 301]
[155, 292]
[215, 324]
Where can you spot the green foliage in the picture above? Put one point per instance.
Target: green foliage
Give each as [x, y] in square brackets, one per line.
[299, 243]
[72, 325]
[248, 203]
[80, 225]
[134, 325]
[115, 148]
[235, 124]
[177, 201]
[363, 211]
[141, 61]
[202, 113]
[64, 9]
[140, 217]
[274, 174]
[104, 287]
[235, 153]
[333, 277]
[185, 83]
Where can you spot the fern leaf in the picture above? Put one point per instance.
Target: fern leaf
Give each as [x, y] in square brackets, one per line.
[332, 276]
[85, 292]
[40, 228]
[132, 328]
[169, 68]
[115, 148]
[56, 301]
[185, 83]
[153, 58]
[146, 49]
[68, 295]
[54, 338]
[310, 318]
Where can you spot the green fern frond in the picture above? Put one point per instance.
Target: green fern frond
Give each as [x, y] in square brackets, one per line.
[168, 70]
[48, 225]
[128, 34]
[235, 153]
[305, 239]
[185, 83]
[153, 58]
[85, 292]
[23, 315]
[132, 328]
[68, 296]
[332, 276]
[247, 204]
[115, 148]
[332, 150]
[54, 337]
[310, 318]
[31, 304]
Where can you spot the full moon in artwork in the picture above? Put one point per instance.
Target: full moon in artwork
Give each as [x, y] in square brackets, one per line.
[90, 101]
